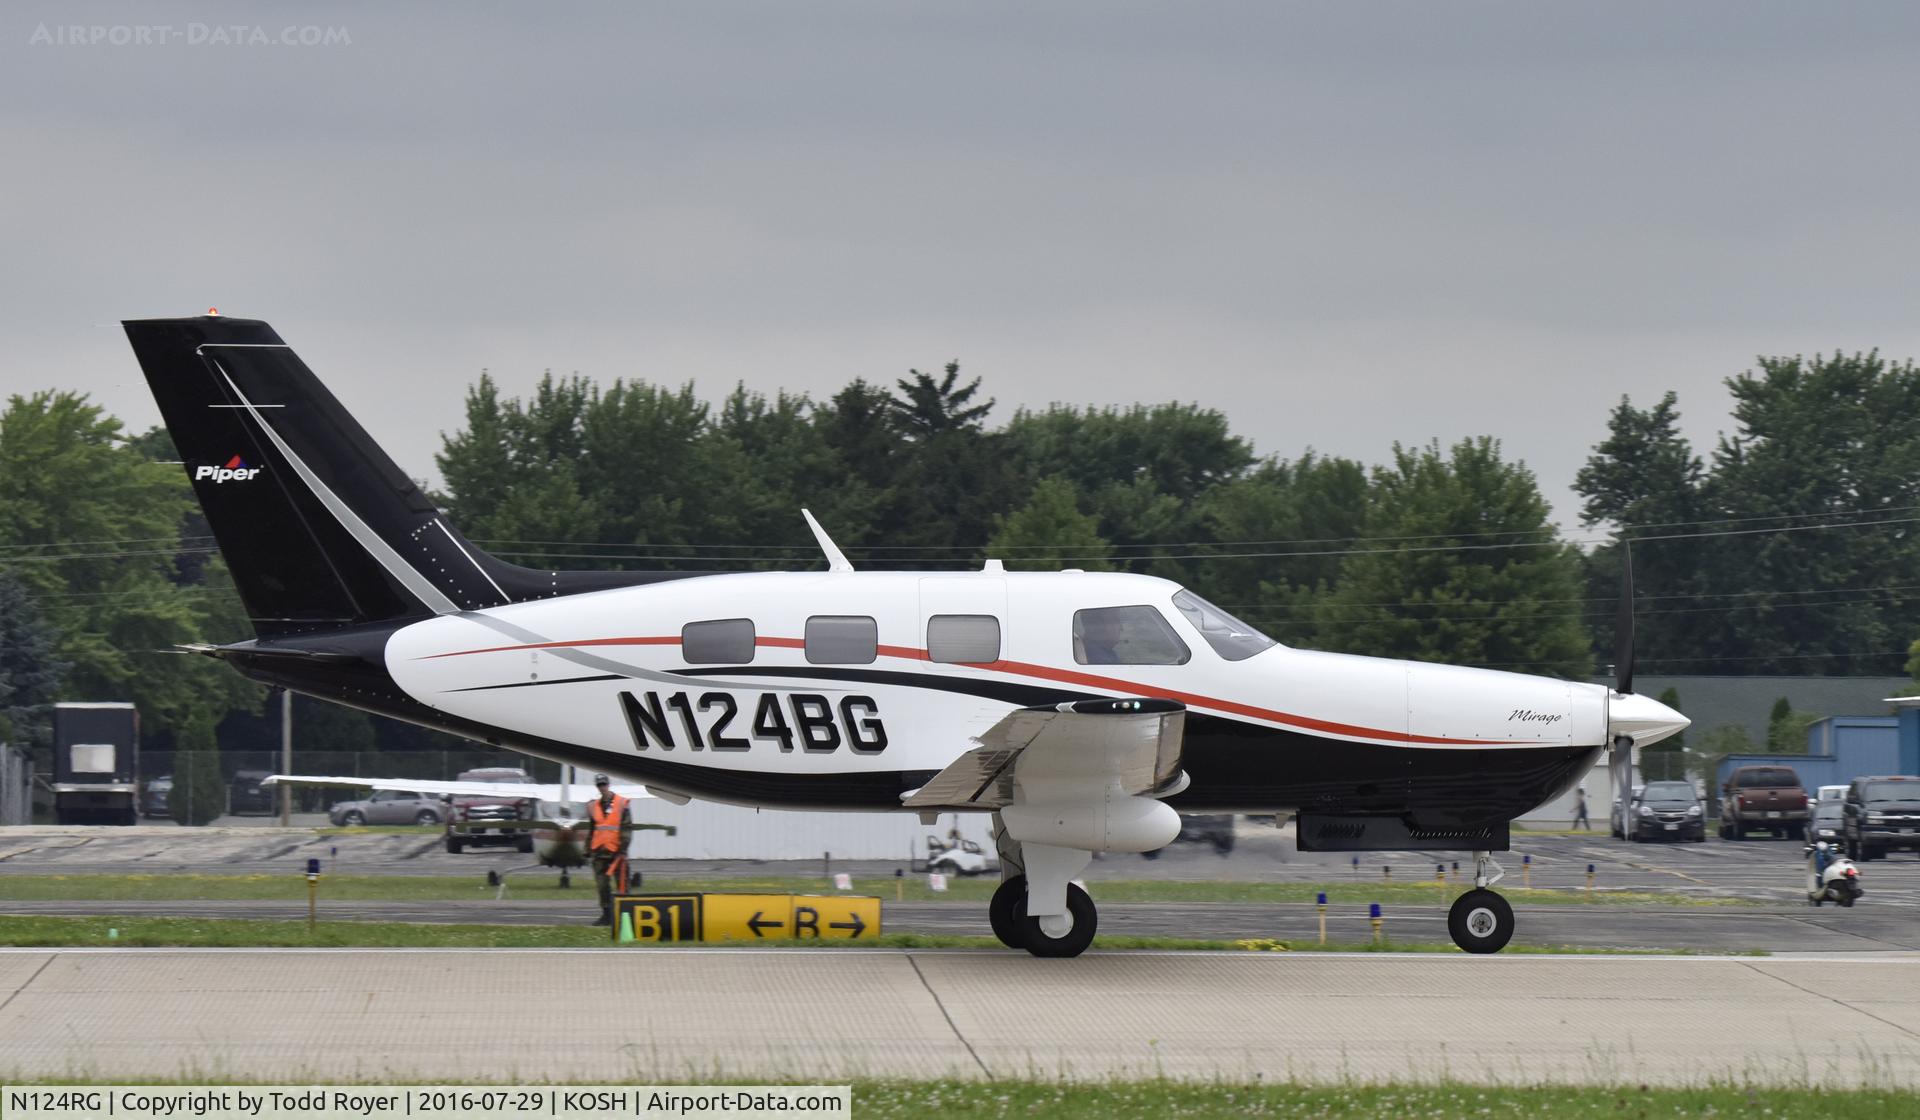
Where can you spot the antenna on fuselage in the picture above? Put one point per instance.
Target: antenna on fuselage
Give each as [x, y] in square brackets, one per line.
[836, 559]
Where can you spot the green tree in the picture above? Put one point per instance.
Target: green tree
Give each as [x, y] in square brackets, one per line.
[1645, 480]
[1050, 532]
[29, 670]
[1787, 729]
[1816, 440]
[953, 478]
[99, 560]
[1474, 574]
[1308, 512]
[925, 409]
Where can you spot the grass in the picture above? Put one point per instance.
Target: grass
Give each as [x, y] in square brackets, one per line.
[1444, 1100]
[109, 930]
[446, 888]
[1154, 1100]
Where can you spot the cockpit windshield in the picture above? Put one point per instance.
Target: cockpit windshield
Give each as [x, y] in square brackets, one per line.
[1229, 637]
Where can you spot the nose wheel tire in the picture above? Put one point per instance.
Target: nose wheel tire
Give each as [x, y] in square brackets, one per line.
[1000, 911]
[1480, 921]
[1036, 940]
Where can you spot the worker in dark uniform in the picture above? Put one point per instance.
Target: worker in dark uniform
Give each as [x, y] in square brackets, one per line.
[607, 847]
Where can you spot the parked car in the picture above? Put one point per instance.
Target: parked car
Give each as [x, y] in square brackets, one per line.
[1881, 815]
[474, 810]
[1763, 797]
[246, 795]
[1666, 811]
[957, 856]
[1826, 821]
[389, 806]
[153, 798]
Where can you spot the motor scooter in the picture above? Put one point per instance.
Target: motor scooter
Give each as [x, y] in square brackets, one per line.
[1831, 876]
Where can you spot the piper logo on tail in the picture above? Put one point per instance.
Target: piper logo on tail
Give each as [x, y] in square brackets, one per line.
[236, 470]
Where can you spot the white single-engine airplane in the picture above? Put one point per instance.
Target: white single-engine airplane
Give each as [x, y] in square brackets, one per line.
[1080, 709]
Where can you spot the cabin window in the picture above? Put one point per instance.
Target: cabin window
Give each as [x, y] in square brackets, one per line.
[969, 639]
[728, 641]
[1126, 636]
[1229, 637]
[842, 639]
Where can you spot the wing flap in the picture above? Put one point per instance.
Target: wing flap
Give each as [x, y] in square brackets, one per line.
[1069, 748]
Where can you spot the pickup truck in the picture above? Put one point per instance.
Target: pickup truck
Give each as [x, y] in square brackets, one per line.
[471, 810]
[1881, 815]
[1763, 797]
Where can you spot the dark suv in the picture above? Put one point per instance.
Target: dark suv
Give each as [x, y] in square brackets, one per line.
[246, 795]
[1769, 797]
[1667, 811]
[1881, 815]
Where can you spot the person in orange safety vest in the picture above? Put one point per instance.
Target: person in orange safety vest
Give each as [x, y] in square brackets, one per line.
[607, 847]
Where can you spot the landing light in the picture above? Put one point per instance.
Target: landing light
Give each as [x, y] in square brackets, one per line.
[213, 311]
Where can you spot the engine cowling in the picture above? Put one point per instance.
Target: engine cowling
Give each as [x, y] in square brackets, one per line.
[1116, 823]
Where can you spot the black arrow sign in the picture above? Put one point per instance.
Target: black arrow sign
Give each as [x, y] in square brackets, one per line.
[856, 925]
[756, 925]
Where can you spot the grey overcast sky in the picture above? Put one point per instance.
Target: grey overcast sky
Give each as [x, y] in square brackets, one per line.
[1344, 224]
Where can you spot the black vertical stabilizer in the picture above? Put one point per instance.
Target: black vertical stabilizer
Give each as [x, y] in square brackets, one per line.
[319, 527]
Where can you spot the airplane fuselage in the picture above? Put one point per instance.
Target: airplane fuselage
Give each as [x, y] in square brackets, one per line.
[603, 679]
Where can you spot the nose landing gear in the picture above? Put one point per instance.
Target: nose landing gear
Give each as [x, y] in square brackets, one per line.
[1481, 921]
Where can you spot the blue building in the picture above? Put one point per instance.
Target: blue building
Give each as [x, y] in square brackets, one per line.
[1842, 748]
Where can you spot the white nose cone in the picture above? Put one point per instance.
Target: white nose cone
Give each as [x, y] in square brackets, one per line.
[1642, 719]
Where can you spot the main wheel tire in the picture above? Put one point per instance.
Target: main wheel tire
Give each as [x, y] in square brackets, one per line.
[1086, 921]
[523, 842]
[1480, 921]
[456, 845]
[426, 817]
[354, 818]
[565, 880]
[1000, 911]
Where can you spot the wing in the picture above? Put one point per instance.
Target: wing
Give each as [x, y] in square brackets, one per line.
[1068, 749]
[534, 825]
[577, 792]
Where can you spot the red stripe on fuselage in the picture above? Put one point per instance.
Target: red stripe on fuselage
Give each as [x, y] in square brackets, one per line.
[1062, 676]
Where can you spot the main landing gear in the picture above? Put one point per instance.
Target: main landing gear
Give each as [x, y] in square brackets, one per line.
[1481, 921]
[1065, 933]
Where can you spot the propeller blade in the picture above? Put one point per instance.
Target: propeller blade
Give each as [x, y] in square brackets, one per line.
[1623, 625]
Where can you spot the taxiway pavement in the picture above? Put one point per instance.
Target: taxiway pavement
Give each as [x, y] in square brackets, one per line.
[511, 1015]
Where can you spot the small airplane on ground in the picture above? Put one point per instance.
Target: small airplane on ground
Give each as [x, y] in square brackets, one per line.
[1083, 710]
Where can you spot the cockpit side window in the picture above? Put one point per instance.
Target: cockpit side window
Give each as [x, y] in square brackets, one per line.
[1229, 637]
[1126, 636]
